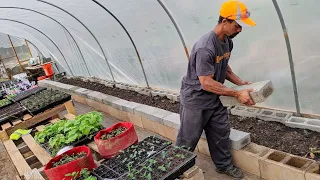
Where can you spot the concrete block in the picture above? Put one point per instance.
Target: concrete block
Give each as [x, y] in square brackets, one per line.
[135, 119]
[262, 90]
[172, 120]
[313, 171]
[124, 116]
[173, 96]
[248, 158]
[122, 86]
[95, 104]
[118, 104]
[191, 172]
[277, 116]
[114, 112]
[82, 92]
[132, 87]
[79, 99]
[168, 132]
[43, 83]
[158, 93]
[245, 111]
[144, 91]
[277, 165]
[108, 100]
[239, 139]
[97, 96]
[303, 123]
[152, 113]
[150, 125]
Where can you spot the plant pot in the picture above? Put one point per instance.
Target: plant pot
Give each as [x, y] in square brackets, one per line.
[111, 147]
[73, 166]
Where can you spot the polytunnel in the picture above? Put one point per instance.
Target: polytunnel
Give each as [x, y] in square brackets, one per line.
[147, 43]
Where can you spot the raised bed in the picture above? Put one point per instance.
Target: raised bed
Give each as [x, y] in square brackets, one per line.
[27, 93]
[46, 99]
[294, 141]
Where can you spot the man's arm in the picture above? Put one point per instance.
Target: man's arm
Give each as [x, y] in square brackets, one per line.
[209, 84]
[234, 78]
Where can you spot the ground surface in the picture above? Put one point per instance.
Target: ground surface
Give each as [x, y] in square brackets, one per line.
[7, 169]
[270, 134]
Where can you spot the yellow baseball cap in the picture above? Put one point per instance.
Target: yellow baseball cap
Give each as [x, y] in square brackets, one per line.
[236, 10]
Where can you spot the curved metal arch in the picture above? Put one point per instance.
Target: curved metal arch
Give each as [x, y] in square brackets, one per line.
[104, 55]
[59, 24]
[3, 19]
[41, 53]
[134, 45]
[176, 26]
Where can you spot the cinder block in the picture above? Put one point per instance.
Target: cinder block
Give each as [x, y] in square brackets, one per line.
[304, 123]
[97, 96]
[168, 132]
[261, 91]
[43, 83]
[95, 104]
[248, 158]
[132, 87]
[239, 139]
[114, 112]
[122, 86]
[143, 91]
[173, 96]
[277, 116]
[79, 99]
[172, 120]
[109, 100]
[135, 119]
[124, 116]
[191, 172]
[245, 111]
[277, 165]
[203, 147]
[150, 125]
[82, 92]
[313, 171]
[118, 104]
[152, 113]
[158, 93]
[130, 106]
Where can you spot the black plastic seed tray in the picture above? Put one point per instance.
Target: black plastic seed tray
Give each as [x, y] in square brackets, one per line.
[179, 166]
[103, 172]
[27, 93]
[11, 112]
[9, 103]
[82, 178]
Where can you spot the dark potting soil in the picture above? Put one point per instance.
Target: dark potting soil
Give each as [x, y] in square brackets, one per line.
[115, 132]
[270, 134]
[159, 102]
[66, 158]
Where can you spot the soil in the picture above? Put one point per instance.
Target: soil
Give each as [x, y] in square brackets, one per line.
[7, 168]
[115, 132]
[11, 112]
[66, 158]
[270, 134]
[159, 102]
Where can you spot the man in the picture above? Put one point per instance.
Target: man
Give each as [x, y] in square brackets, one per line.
[208, 68]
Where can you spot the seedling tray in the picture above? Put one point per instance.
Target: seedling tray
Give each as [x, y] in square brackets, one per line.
[27, 93]
[12, 112]
[176, 165]
[82, 141]
[82, 178]
[103, 173]
[136, 154]
[52, 105]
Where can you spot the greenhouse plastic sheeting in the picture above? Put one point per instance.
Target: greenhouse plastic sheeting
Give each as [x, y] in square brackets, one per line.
[94, 42]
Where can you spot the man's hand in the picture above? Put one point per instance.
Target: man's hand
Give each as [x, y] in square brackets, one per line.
[244, 97]
[245, 82]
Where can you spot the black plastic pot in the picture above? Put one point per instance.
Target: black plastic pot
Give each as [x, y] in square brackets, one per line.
[27, 93]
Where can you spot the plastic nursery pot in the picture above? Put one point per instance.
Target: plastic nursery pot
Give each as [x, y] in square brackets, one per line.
[111, 147]
[58, 173]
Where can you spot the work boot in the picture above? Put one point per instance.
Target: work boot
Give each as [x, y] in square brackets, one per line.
[233, 172]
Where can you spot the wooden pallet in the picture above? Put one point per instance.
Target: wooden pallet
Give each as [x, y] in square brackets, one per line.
[29, 121]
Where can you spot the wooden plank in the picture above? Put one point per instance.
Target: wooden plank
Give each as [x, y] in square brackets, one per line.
[16, 157]
[4, 135]
[93, 146]
[54, 120]
[27, 117]
[69, 116]
[33, 175]
[37, 150]
[36, 119]
[40, 128]
[70, 107]
[6, 126]
[18, 177]
[16, 122]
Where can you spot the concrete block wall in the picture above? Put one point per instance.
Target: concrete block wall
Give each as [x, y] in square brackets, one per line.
[245, 111]
[256, 159]
[277, 116]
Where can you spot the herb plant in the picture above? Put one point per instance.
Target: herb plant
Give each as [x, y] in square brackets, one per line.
[4, 102]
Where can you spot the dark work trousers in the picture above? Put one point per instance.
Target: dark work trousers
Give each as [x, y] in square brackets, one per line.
[216, 125]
